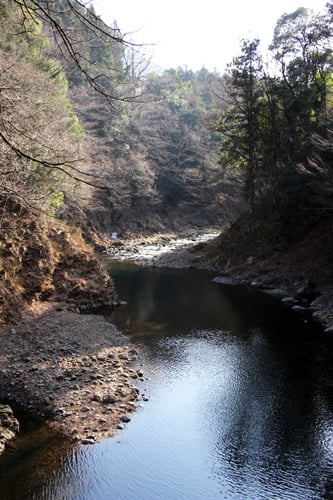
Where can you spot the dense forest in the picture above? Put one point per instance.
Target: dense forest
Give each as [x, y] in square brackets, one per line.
[94, 142]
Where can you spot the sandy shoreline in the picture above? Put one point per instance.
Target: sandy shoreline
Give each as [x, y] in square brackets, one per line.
[75, 369]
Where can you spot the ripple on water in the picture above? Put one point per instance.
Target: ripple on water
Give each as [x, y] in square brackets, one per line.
[238, 407]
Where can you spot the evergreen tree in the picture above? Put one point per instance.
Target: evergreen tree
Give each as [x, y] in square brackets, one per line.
[239, 122]
[268, 122]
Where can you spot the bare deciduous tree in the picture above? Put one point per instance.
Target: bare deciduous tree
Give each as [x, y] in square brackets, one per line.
[39, 133]
[39, 136]
[76, 28]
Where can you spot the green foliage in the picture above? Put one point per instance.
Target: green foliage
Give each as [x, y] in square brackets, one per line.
[57, 199]
[268, 122]
[40, 133]
[53, 70]
[20, 33]
[240, 121]
[93, 55]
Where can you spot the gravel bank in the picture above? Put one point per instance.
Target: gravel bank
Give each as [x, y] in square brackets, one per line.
[80, 372]
[75, 369]
[163, 251]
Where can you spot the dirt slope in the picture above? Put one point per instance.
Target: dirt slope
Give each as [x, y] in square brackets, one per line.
[47, 260]
[251, 248]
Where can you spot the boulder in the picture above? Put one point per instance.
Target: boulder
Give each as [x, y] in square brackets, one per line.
[9, 426]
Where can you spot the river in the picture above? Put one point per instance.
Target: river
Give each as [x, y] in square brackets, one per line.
[239, 393]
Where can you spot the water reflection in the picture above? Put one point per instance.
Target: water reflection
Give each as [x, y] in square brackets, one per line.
[176, 301]
[266, 433]
[40, 462]
[260, 369]
[241, 402]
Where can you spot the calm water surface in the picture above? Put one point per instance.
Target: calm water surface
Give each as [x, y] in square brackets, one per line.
[240, 403]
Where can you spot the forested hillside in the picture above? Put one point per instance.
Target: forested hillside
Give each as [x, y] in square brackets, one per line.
[90, 136]
[42, 151]
[276, 126]
[92, 139]
[160, 159]
[156, 155]
[141, 141]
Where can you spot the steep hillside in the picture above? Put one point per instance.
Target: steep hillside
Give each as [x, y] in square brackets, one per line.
[254, 251]
[41, 259]
[155, 158]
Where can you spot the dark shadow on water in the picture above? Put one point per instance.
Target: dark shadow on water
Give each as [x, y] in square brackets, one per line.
[241, 401]
[38, 453]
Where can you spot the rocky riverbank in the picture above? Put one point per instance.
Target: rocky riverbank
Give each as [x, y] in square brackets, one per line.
[81, 373]
[76, 370]
[298, 287]
[164, 250]
[301, 295]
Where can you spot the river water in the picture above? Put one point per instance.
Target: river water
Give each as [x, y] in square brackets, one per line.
[240, 403]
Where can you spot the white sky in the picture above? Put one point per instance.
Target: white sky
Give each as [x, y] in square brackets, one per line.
[196, 33]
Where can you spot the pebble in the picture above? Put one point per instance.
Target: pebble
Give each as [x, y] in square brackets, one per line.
[125, 418]
[109, 398]
[288, 300]
[9, 426]
[97, 398]
[88, 441]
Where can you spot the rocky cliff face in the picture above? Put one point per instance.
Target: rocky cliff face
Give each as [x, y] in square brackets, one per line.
[44, 259]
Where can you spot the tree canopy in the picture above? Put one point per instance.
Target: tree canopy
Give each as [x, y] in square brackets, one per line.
[42, 45]
[94, 49]
[67, 88]
[270, 119]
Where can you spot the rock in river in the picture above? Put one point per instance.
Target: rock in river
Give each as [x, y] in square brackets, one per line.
[9, 425]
